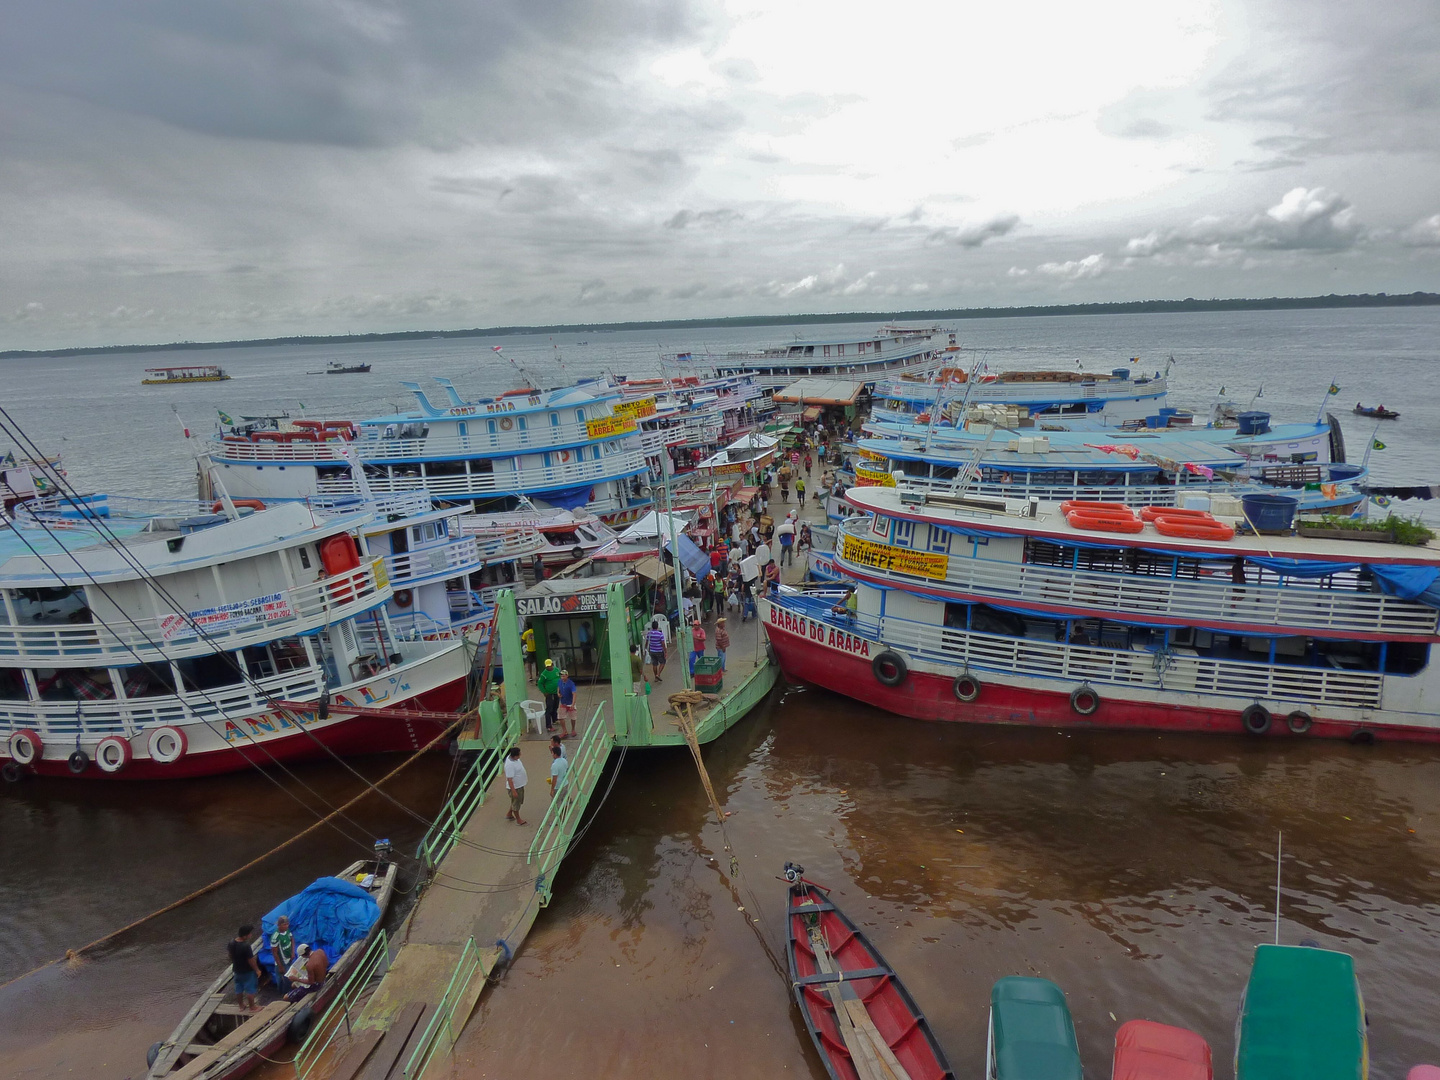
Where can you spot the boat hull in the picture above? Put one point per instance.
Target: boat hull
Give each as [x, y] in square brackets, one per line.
[436, 684]
[829, 657]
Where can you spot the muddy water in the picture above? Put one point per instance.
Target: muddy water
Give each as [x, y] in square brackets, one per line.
[1137, 871]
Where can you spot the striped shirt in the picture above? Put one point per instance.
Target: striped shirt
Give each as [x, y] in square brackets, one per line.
[655, 641]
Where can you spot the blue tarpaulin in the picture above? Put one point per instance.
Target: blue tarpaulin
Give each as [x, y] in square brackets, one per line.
[1409, 582]
[691, 557]
[330, 914]
[566, 498]
[1303, 568]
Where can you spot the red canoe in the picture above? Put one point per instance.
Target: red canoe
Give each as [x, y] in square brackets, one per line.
[864, 1022]
[1145, 1050]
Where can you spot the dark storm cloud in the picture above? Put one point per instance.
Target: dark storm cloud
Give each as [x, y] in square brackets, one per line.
[344, 72]
[1344, 77]
[1305, 219]
[972, 236]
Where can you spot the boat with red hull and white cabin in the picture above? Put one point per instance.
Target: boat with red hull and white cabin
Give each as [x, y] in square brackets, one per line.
[995, 611]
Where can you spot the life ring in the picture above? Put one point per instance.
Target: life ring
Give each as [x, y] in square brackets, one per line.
[889, 668]
[1298, 722]
[1193, 528]
[967, 687]
[253, 504]
[25, 747]
[1081, 504]
[564, 456]
[404, 598]
[167, 745]
[1085, 700]
[506, 423]
[112, 754]
[78, 762]
[1256, 720]
[1106, 521]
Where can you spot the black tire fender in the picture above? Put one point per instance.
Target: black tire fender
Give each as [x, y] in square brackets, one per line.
[1362, 737]
[967, 687]
[1298, 722]
[79, 761]
[152, 1054]
[300, 1024]
[11, 773]
[1085, 700]
[889, 668]
[1256, 720]
[577, 553]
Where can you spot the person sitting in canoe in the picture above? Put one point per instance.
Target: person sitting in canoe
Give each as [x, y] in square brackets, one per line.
[307, 973]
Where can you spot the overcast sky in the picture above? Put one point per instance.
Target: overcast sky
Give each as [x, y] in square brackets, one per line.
[173, 169]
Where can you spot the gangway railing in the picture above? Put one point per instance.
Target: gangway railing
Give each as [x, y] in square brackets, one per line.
[557, 827]
[353, 994]
[442, 1020]
[468, 796]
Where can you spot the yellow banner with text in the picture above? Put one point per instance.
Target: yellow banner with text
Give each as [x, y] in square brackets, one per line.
[927, 564]
[608, 426]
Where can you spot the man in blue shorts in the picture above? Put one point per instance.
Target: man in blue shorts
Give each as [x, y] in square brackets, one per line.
[245, 967]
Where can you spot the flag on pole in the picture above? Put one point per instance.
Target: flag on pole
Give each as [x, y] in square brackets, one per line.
[1334, 389]
[1134, 359]
[1376, 444]
[494, 348]
[1381, 501]
[224, 418]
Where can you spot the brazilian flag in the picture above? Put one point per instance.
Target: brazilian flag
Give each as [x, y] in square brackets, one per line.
[1376, 444]
[1334, 389]
[224, 419]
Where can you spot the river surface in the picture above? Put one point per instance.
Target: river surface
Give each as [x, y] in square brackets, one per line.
[1136, 870]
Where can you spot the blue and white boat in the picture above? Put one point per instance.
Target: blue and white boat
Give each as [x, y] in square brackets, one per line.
[563, 448]
[888, 352]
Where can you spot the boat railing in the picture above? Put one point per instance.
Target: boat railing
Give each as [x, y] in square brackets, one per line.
[248, 703]
[383, 448]
[1298, 606]
[451, 559]
[417, 626]
[121, 641]
[462, 486]
[1131, 494]
[406, 502]
[353, 995]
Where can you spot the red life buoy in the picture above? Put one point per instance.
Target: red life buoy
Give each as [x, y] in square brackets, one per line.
[1105, 521]
[167, 745]
[253, 504]
[1082, 504]
[1194, 528]
[25, 746]
[1150, 513]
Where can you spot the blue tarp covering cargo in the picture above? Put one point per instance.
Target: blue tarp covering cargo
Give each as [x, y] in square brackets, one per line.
[330, 914]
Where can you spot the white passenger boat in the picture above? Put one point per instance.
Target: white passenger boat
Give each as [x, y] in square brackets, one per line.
[565, 448]
[163, 648]
[887, 352]
[998, 611]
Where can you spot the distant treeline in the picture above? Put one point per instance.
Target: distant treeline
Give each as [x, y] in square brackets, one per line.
[1129, 307]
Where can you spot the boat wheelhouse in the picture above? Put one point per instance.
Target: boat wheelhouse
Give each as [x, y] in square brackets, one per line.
[564, 448]
[190, 373]
[167, 648]
[887, 352]
[950, 395]
[997, 611]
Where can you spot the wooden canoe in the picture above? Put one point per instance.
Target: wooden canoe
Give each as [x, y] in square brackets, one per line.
[862, 1019]
[217, 1041]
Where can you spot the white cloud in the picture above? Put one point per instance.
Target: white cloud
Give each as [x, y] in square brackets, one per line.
[1075, 269]
[1424, 233]
[972, 236]
[1305, 219]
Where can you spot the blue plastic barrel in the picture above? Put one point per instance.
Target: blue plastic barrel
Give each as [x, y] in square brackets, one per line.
[1168, 411]
[1269, 513]
[1120, 373]
[1253, 423]
[1340, 471]
[1154, 421]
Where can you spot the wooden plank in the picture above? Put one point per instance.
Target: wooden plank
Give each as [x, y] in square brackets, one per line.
[408, 1049]
[394, 1041]
[355, 1055]
[890, 1066]
[237, 1038]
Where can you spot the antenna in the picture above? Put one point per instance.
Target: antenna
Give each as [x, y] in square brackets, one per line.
[1279, 852]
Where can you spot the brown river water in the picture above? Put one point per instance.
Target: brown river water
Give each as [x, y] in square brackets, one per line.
[1137, 871]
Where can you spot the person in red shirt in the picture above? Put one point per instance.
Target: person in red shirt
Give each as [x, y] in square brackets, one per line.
[697, 634]
[722, 640]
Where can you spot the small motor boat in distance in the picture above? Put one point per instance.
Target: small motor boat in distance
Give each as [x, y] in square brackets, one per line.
[863, 1021]
[218, 1039]
[1301, 1016]
[1145, 1050]
[1032, 1036]
[1377, 412]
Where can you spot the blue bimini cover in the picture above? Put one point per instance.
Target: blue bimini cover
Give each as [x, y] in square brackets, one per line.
[331, 914]
[1409, 582]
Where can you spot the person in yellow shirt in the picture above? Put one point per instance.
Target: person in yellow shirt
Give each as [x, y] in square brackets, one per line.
[527, 642]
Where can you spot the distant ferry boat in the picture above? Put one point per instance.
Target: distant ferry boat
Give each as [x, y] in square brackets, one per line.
[166, 376]
[1086, 614]
[335, 367]
[889, 351]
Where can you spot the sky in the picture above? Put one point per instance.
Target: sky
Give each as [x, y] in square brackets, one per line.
[172, 170]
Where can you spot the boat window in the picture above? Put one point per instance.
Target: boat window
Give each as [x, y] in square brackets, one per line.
[520, 423]
[554, 419]
[304, 557]
[482, 465]
[209, 672]
[12, 685]
[445, 468]
[827, 350]
[580, 416]
[904, 533]
[425, 532]
[939, 540]
[490, 426]
[1406, 657]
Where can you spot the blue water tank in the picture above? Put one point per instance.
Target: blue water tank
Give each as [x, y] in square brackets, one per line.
[1253, 423]
[1168, 412]
[1154, 421]
[1340, 471]
[1120, 373]
[1269, 513]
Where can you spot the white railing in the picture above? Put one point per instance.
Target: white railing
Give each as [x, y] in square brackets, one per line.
[1175, 670]
[1130, 494]
[380, 449]
[60, 722]
[451, 559]
[1294, 608]
[473, 485]
[984, 393]
[311, 606]
[409, 502]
